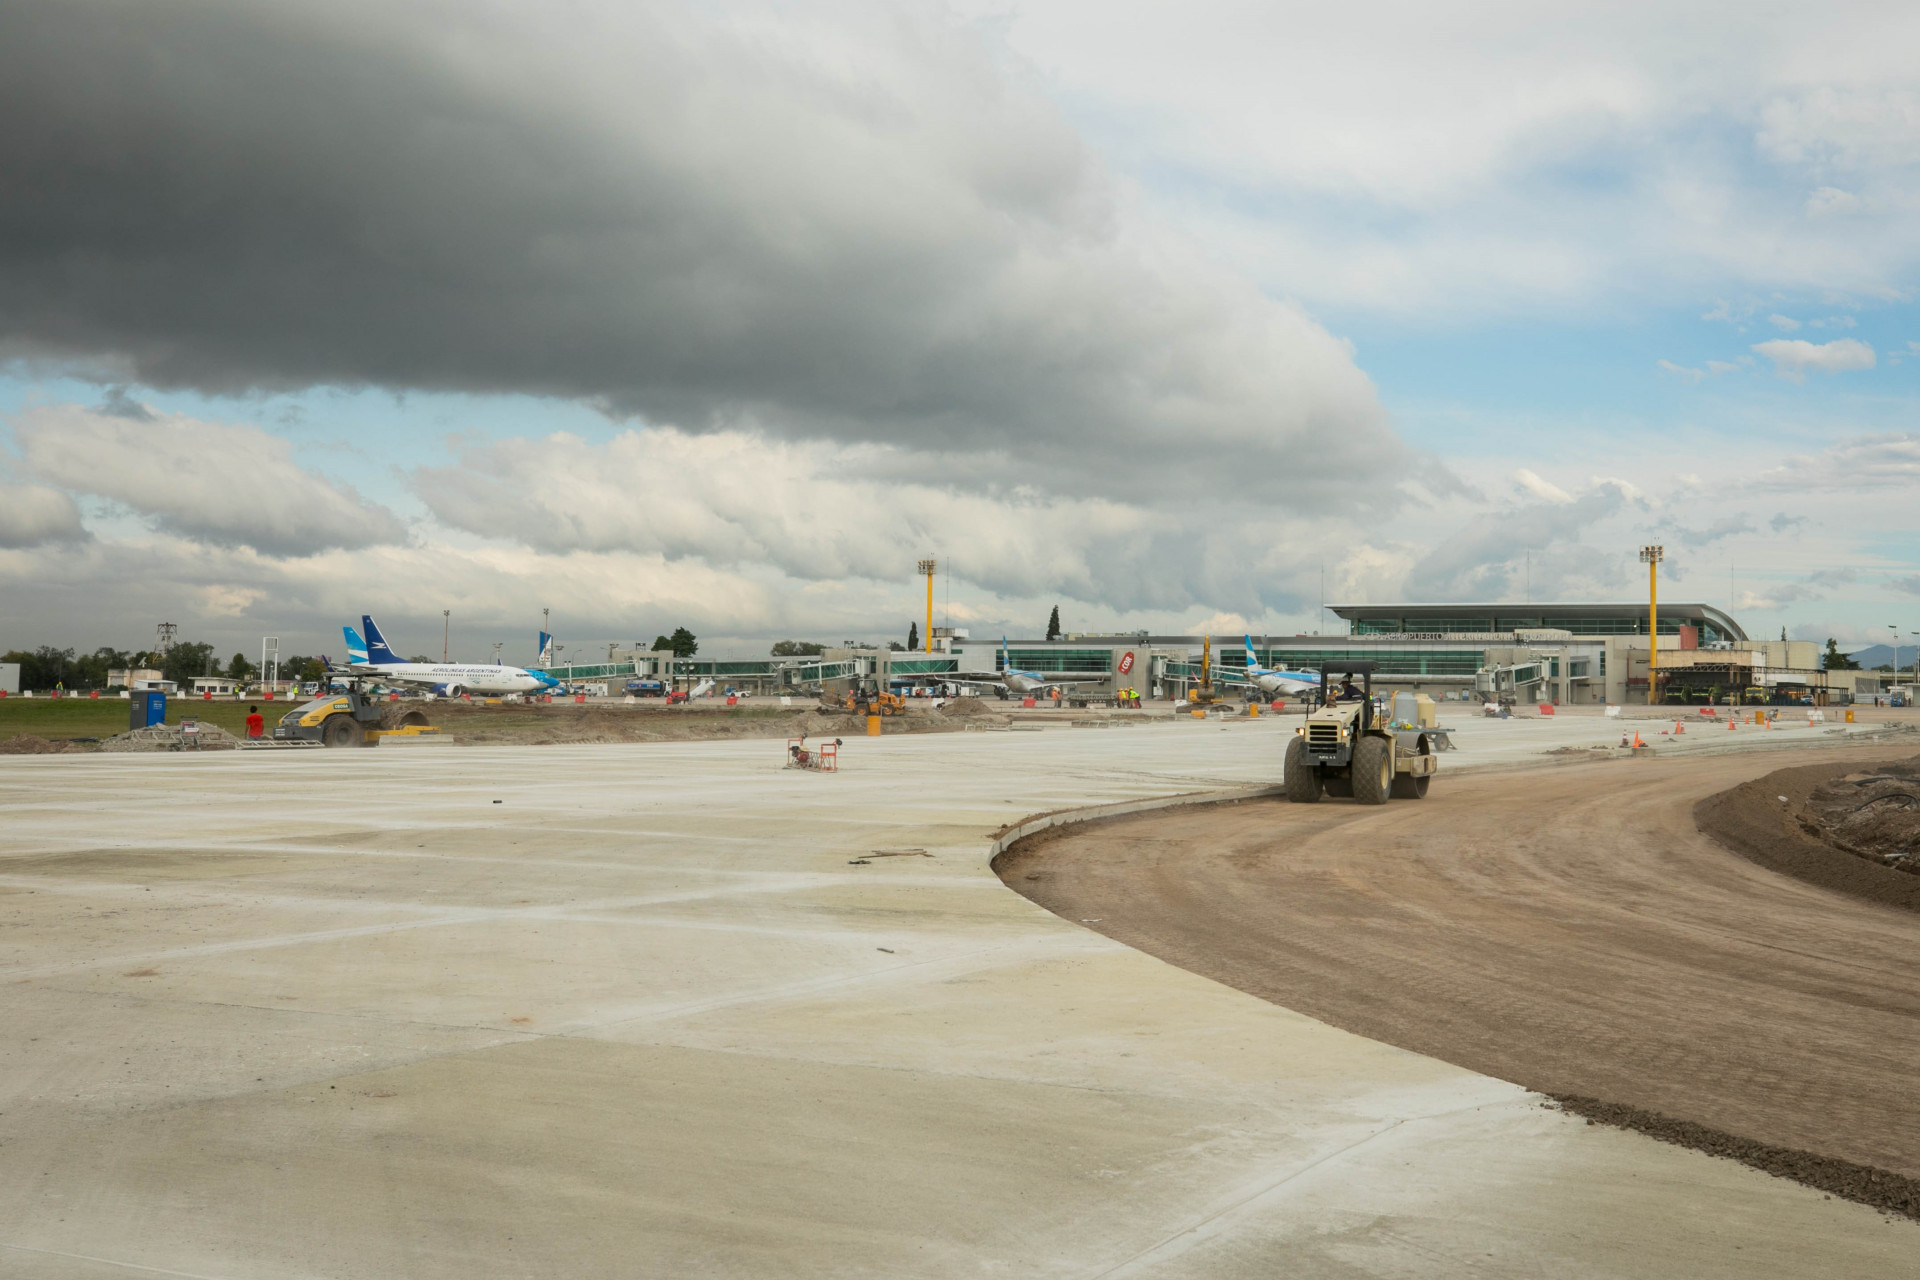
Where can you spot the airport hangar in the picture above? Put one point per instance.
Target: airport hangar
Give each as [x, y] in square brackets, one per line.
[1571, 654]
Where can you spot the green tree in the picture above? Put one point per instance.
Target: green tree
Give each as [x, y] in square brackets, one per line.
[240, 668]
[1053, 624]
[913, 635]
[661, 643]
[91, 669]
[1834, 660]
[186, 660]
[44, 668]
[792, 649]
[683, 643]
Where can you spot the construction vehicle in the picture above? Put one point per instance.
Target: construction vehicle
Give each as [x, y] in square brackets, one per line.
[1204, 694]
[350, 719]
[1348, 746]
[865, 697]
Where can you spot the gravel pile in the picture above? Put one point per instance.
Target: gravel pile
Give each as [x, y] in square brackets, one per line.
[168, 737]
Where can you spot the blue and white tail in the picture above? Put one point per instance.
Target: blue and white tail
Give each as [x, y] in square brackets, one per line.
[377, 651]
[1253, 663]
[546, 650]
[356, 647]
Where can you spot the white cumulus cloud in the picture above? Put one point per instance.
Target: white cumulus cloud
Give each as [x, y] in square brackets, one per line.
[1793, 357]
[218, 483]
[33, 515]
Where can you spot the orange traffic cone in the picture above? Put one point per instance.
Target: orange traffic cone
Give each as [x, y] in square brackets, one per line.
[1636, 739]
[1679, 726]
[1729, 722]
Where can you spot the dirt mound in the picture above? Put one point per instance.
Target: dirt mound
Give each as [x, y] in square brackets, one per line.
[26, 744]
[961, 708]
[1777, 822]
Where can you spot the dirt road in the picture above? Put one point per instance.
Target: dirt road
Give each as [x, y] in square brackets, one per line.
[1565, 928]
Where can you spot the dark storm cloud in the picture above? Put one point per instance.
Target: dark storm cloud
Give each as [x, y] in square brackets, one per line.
[860, 226]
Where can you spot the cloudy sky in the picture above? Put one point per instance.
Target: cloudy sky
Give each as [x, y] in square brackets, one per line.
[723, 315]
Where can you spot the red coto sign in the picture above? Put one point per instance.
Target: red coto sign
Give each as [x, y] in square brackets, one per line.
[1126, 663]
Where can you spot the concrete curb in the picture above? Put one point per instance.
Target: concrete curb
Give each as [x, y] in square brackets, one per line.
[1028, 826]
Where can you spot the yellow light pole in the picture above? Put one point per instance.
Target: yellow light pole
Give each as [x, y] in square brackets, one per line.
[1651, 556]
[926, 637]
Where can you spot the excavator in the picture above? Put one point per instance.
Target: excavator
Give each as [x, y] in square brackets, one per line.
[1205, 694]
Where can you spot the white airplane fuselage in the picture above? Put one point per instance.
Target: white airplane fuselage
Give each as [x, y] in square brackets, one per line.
[454, 677]
[1275, 683]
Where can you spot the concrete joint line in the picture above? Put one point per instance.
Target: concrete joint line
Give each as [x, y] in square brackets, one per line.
[108, 1262]
[1213, 1223]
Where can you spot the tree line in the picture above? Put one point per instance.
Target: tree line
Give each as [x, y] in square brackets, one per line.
[47, 668]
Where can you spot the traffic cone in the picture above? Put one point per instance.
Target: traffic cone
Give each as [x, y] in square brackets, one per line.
[1636, 739]
[1729, 722]
[1679, 726]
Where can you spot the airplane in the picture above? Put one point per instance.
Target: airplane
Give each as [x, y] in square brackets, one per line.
[1275, 682]
[373, 659]
[1020, 682]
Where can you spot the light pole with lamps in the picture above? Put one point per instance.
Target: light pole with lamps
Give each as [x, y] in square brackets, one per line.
[927, 567]
[1651, 556]
[446, 630]
[1913, 688]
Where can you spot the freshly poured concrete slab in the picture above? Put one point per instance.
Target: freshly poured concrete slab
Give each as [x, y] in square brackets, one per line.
[340, 1014]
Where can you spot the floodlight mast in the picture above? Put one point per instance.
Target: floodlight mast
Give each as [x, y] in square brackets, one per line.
[1651, 556]
[927, 567]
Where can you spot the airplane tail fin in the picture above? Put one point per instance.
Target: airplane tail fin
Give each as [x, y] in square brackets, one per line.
[546, 650]
[377, 651]
[356, 647]
[1253, 662]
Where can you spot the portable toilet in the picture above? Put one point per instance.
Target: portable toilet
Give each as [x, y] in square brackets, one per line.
[149, 708]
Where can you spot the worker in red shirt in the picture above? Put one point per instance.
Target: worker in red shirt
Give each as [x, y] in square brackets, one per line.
[256, 723]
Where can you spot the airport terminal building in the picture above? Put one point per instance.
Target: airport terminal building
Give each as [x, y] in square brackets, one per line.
[1570, 654]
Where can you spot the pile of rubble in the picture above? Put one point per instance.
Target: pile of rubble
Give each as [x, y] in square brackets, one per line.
[170, 737]
[1873, 814]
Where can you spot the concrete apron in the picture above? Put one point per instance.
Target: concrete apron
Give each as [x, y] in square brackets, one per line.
[340, 1014]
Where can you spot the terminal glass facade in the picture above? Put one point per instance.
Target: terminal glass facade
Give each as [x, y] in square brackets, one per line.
[1670, 624]
[1393, 661]
[1091, 662]
[922, 666]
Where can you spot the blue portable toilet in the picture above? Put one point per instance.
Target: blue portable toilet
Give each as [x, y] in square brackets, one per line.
[149, 708]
